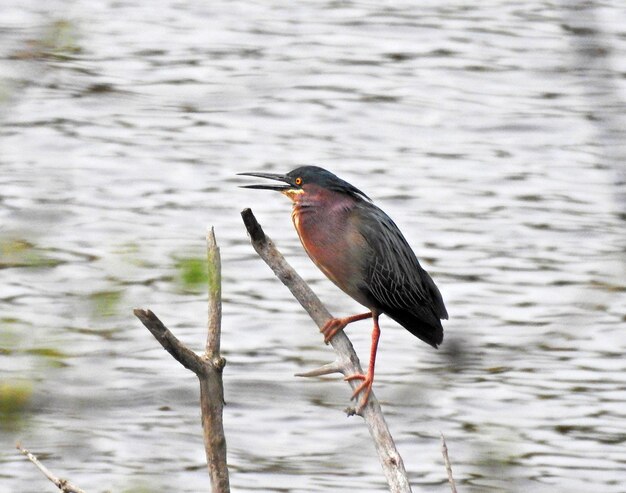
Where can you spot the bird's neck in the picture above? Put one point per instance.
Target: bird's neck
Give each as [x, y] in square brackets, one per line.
[325, 225]
[320, 201]
[319, 215]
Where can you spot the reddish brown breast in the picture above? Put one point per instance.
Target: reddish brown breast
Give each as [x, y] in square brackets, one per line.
[326, 226]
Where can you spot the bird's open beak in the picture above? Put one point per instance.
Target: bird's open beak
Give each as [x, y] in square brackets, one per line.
[271, 176]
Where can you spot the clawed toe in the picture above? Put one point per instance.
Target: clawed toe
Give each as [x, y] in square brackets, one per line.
[365, 387]
[334, 325]
[331, 327]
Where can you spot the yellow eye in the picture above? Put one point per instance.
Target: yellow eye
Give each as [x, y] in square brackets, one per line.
[298, 181]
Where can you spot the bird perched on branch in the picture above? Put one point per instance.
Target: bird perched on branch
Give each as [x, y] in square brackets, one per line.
[359, 248]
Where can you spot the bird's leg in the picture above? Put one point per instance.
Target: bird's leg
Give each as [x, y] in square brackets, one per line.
[368, 380]
[334, 325]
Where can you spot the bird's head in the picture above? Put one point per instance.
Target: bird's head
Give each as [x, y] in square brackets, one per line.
[306, 181]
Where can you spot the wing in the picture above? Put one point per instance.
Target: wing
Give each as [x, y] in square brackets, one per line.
[396, 282]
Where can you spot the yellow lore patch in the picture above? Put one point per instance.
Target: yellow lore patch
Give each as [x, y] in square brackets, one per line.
[293, 193]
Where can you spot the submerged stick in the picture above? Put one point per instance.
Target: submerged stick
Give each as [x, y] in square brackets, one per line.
[346, 361]
[208, 368]
[63, 484]
[446, 460]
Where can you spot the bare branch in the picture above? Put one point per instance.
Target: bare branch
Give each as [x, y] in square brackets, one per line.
[326, 369]
[212, 387]
[446, 460]
[347, 360]
[207, 367]
[289, 277]
[212, 349]
[63, 484]
[170, 342]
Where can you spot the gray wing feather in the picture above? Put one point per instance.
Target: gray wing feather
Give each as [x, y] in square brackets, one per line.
[394, 276]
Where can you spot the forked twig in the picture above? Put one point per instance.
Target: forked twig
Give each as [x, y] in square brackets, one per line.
[208, 368]
[63, 484]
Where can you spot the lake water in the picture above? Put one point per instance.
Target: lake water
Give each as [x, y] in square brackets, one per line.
[493, 133]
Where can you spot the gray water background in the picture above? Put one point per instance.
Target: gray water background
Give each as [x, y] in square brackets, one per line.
[492, 132]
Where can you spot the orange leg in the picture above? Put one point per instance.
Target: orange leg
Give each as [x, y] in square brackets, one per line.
[334, 325]
[368, 380]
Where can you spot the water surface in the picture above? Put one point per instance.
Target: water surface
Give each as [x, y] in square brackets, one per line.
[491, 133]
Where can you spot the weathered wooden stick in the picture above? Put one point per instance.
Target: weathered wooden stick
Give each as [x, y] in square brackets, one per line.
[207, 367]
[346, 361]
[211, 386]
[446, 460]
[169, 341]
[63, 484]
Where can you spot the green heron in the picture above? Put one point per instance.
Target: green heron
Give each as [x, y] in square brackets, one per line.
[360, 249]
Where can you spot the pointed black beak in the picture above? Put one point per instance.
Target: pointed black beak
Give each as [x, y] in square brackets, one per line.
[271, 176]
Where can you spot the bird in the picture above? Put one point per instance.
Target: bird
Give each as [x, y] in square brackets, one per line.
[362, 251]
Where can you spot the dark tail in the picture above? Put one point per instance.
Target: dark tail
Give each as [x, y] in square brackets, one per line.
[425, 326]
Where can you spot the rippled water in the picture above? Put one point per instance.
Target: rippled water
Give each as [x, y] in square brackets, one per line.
[492, 133]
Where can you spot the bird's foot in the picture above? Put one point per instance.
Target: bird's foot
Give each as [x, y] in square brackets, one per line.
[333, 326]
[365, 387]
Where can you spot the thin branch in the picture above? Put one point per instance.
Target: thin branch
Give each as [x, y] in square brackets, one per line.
[326, 369]
[289, 277]
[446, 460]
[212, 386]
[347, 360]
[63, 484]
[214, 334]
[170, 342]
[208, 368]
